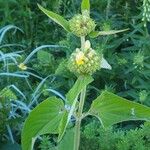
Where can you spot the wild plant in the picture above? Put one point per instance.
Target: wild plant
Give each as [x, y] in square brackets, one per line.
[53, 115]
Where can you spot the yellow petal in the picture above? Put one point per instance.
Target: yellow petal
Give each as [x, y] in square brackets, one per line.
[22, 66]
[80, 58]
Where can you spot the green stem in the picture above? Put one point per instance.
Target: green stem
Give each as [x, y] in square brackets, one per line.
[108, 9]
[82, 42]
[80, 109]
[78, 120]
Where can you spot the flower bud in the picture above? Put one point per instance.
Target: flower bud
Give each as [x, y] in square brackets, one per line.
[81, 25]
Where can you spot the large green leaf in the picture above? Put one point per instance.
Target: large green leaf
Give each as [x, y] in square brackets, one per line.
[45, 118]
[95, 34]
[55, 17]
[111, 109]
[85, 5]
[72, 98]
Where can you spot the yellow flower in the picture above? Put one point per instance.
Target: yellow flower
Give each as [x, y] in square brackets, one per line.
[84, 62]
[22, 66]
[80, 57]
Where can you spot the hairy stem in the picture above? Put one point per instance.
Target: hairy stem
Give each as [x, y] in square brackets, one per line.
[78, 120]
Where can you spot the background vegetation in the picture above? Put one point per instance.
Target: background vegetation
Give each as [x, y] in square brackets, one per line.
[25, 29]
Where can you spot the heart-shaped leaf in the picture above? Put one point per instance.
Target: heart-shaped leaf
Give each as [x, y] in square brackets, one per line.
[56, 18]
[43, 119]
[111, 109]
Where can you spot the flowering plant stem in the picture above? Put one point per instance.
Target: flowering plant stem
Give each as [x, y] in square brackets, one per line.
[80, 109]
[78, 120]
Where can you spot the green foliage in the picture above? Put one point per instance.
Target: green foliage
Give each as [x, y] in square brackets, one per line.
[44, 119]
[111, 109]
[44, 57]
[67, 141]
[6, 93]
[95, 34]
[52, 113]
[95, 137]
[28, 17]
[57, 18]
[62, 69]
[46, 144]
[78, 86]
[128, 54]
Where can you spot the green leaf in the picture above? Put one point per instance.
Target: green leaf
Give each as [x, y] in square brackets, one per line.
[62, 69]
[85, 5]
[44, 57]
[55, 17]
[72, 98]
[95, 34]
[111, 109]
[62, 126]
[67, 142]
[45, 118]
[81, 82]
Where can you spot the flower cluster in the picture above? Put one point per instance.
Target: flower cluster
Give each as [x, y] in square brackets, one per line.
[146, 11]
[82, 25]
[85, 61]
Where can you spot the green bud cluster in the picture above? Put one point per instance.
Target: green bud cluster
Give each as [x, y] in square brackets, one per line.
[146, 11]
[84, 62]
[82, 25]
